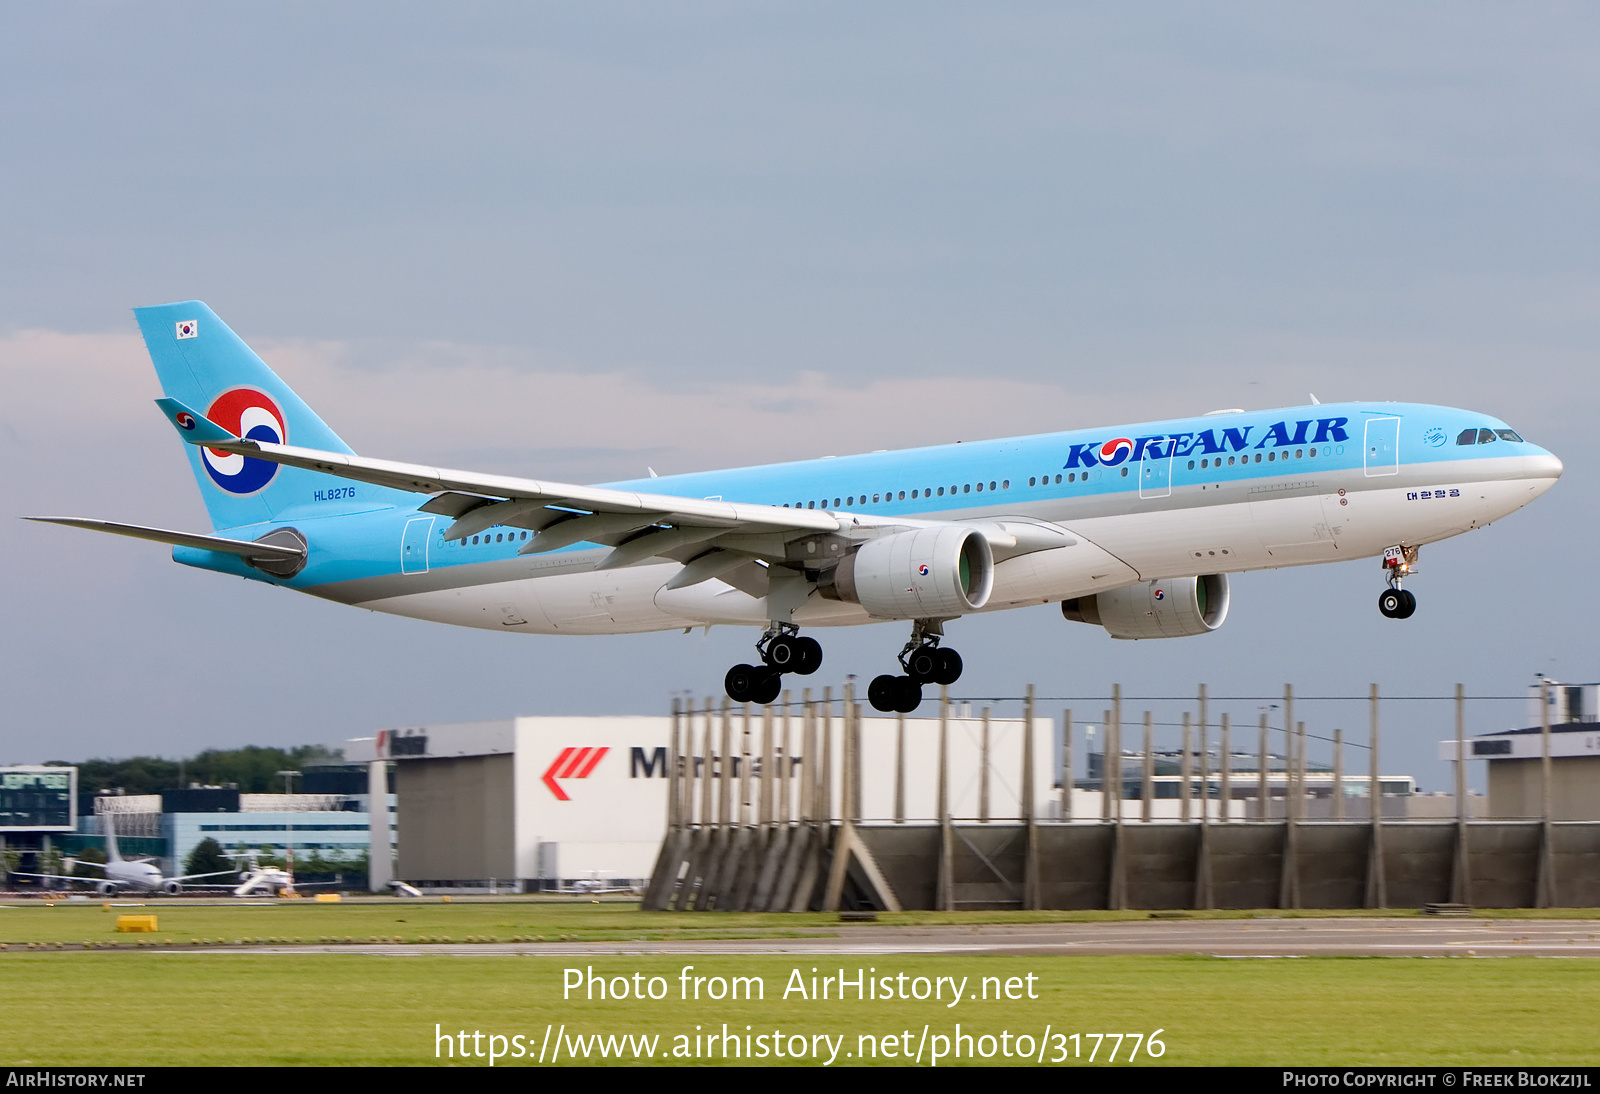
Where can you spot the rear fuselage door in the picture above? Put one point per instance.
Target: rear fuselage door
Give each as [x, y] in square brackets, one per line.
[414, 545]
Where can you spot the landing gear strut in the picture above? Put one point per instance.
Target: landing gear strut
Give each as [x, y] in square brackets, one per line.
[783, 649]
[1398, 603]
[925, 662]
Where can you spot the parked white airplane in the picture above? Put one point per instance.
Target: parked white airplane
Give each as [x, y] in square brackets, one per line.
[139, 874]
[1134, 528]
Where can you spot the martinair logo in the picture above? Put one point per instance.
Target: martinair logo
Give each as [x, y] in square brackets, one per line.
[573, 763]
[246, 412]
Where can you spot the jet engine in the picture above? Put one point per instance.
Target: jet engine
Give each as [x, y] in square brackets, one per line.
[1177, 608]
[107, 888]
[926, 573]
[172, 888]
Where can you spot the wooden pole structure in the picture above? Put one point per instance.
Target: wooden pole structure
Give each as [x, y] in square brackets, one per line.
[1300, 773]
[825, 775]
[1184, 772]
[1204, 898]
[1377, 886]
[899, 768]
[768, 759]
[1547, 865]
[1263, 785]
[1227, 769]
[840, 866]
[1066, 765]
[674, 776]
[1119, 868]
[983, 771]
[1291, 765]
[1030, 865]
[785, 766]
[708, 779]
[946, 897]
[1147, 784]
[1026, 796]
[1116, 752]
[1338, 775]
[1105, 767]
[1460, 875]
[855, 747]
[725, 768]
[807, 803]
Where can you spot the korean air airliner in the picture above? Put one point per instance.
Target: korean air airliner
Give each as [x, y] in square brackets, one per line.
[1132, 528]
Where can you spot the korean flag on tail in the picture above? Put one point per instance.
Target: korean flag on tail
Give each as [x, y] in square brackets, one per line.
[188, 328]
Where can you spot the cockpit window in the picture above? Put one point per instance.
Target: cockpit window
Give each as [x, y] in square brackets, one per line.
[1468, 436]
[1509, 435]
[1486, 436]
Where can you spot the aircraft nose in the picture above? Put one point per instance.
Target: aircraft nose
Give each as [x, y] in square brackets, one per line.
[1545, 465]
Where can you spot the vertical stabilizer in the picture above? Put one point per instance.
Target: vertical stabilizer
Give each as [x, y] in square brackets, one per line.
[202, 363]
[106, 822]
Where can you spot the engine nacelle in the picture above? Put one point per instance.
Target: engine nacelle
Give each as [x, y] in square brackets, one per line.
[1177, 608]
[926, 573]
[107, 888]
[172, 888]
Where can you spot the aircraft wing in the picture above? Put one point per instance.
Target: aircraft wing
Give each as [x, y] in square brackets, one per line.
[214, 873]
[53, 877]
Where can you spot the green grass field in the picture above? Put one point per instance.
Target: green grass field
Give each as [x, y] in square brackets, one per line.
[353, 1009]
[131, 1008]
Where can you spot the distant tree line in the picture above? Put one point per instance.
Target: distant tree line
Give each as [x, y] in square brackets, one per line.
[253, 769]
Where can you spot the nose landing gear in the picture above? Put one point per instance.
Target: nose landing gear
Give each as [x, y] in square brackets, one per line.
[925, 662]
[1397, 603]
[783, 649]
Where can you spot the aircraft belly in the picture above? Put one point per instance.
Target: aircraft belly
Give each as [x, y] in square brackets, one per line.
[619, 601]
[597, 602]
[1180, 542]
[714, 601]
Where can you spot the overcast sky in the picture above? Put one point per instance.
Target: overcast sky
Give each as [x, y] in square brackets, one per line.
[575, 240]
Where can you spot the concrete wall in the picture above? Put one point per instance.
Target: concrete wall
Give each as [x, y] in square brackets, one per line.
[455, 818]
[1160, 864]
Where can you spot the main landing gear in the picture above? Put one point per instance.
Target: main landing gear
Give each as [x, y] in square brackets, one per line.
[1398, 603]
[925, 662]
[783, 649]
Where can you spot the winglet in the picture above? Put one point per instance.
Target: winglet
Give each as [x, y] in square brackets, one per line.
[193, 426]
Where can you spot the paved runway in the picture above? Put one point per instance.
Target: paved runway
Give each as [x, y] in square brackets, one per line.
[1420, 937]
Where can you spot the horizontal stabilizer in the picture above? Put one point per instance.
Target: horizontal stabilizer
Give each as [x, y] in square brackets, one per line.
[273, 554]
[193, 426]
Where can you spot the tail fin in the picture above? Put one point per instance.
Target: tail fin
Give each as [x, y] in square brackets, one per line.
[107, 822]
[204, 364]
